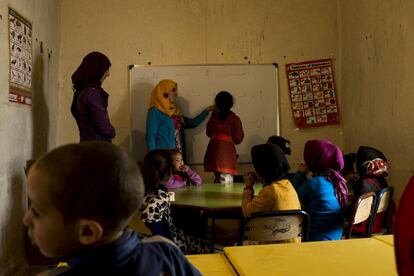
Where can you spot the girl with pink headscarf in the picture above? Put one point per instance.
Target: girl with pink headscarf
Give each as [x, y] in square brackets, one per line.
[324, 195]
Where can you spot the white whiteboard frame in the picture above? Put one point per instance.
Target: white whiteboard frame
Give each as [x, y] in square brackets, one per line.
[139, 157]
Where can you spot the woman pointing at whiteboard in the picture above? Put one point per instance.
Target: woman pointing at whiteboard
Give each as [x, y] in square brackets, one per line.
[165, 121]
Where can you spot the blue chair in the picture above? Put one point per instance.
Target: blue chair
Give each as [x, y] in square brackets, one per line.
[382, 205]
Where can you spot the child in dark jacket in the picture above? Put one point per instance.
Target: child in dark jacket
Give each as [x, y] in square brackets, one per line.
[82, 198]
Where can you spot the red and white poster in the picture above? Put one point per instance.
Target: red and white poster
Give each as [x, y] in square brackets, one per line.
[313, 93]
[20, 42]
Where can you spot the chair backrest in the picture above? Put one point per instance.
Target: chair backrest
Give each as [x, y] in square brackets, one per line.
[383, 200]
[361, 211]
[384, 197]
[274, 226]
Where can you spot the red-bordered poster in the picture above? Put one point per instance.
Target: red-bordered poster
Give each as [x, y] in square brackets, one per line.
[20, 41]
[312, 93]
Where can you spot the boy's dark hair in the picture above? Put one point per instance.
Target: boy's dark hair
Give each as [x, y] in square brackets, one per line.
[93, 180]
[224, 102]
[281, 143]
[156, 168]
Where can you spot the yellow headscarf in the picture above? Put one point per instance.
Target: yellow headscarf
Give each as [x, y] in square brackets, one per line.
[160, 101]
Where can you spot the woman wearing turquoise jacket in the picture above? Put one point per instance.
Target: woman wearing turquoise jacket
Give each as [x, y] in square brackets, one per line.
[165, 122]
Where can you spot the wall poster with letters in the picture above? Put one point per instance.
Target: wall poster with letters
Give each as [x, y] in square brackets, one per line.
[313, 93]
[20, 41]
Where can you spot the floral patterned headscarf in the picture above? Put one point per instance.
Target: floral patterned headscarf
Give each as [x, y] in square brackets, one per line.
[371, 162]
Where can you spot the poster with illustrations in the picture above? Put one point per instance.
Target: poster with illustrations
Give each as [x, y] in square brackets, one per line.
[313, 93]
[21, 63]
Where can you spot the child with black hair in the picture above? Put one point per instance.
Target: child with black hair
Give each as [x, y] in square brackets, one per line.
[277, 193]
[281, 142]
[350, 174]
[284, 145]
[156, 207]
[181, 175]
[82, 198]
[225, 131]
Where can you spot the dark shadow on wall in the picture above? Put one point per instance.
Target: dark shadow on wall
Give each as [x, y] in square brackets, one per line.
[40, 110]
[136, 141]
[190, 146]
[12, 235]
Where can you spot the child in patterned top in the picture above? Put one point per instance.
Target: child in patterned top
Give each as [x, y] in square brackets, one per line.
[156, 207]
[181, 174]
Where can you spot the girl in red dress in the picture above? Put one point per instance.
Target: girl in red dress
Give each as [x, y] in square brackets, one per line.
[225, 130]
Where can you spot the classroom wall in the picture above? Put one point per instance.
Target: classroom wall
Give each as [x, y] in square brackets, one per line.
[168, 32]
[27, 132]
[377, 87]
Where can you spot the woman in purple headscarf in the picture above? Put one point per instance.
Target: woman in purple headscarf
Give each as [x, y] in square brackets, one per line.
[324, 196]
[90, 100]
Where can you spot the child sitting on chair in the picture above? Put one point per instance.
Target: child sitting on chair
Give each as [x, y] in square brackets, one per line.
[372, 168]
[156, 207]
[181, 174]
[82, 198]
[324, 196]
[277, 193]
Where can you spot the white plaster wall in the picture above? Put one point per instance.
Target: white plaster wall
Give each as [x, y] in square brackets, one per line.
[377, 83]
[26, 132]
[194, 32]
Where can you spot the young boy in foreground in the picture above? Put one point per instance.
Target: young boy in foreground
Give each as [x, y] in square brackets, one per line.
[82, 198]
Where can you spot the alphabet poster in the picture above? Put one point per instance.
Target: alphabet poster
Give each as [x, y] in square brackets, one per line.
[20, 38]
[313, 93]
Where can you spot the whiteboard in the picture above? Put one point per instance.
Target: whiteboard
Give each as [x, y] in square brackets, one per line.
[256, 102]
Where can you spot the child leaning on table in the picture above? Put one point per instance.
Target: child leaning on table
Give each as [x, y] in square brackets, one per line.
[155, 211]
[181, 175]
[277, 193]
[82, 198]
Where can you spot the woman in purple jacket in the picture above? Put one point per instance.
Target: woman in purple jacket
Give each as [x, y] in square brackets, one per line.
[90, 100]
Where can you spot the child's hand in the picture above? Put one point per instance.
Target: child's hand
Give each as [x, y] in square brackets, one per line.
[303, 168]
[185, 168]
[250, 178]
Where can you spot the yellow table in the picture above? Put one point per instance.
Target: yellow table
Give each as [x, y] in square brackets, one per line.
[345, 257]
[388, 239]
[212, 264]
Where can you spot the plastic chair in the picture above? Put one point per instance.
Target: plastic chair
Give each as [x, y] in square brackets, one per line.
[274, 226]
[361, 211]
[384, 197]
